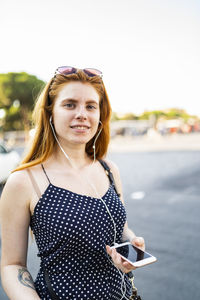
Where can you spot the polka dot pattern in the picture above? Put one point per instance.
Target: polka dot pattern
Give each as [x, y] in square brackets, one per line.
[71, 231]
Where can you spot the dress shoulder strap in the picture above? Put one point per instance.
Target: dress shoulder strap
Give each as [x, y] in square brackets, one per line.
[45, 173]
[109, 174]
[34, 183]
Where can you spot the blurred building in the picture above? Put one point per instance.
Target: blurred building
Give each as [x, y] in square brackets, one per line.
[130, 127]
[162, 126]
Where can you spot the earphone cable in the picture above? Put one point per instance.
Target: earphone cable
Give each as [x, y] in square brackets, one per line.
[100, 198]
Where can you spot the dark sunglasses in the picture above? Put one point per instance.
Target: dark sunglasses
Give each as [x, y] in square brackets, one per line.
[67, 70]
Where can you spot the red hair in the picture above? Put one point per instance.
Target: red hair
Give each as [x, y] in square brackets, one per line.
[43, 143]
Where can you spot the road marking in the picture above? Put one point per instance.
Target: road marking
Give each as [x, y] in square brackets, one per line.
[139, 195]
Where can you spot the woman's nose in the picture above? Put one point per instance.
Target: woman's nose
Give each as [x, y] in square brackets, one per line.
[81, 113]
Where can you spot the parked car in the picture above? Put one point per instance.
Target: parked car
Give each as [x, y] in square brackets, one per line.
[9, 159]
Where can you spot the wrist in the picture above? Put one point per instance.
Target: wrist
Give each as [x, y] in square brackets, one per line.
[128, 235]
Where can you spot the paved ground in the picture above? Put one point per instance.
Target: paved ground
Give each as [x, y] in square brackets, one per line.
[168, 218]
[153, 141]
[162, 194]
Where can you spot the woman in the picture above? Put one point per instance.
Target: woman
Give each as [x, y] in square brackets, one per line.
[62, 191]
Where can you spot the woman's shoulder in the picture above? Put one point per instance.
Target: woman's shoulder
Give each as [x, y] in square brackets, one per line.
[16, 192]
[112, 165]
[19, 181]
[116, 174]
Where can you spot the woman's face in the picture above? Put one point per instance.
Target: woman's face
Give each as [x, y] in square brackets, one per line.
[76, 113]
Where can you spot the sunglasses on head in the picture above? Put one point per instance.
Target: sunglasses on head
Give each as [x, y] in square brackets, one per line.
[67, 70]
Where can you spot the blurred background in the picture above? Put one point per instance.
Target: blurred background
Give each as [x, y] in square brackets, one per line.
[148, 51]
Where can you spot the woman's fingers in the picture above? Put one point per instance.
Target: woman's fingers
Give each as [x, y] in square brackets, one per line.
[139, 242]
[117, 258]
[127, 265]
[119, 262]
[114, 255]
[108, 249]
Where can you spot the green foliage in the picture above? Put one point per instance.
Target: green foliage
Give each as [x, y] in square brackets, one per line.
[128, 116]
[114, 117]
[24, 88]
[148, 114]
[173, 113]
[21, 86]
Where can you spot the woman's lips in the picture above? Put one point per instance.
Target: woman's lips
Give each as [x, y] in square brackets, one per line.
[80, 128]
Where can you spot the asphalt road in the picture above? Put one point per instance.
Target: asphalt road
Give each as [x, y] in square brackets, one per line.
[162, 195]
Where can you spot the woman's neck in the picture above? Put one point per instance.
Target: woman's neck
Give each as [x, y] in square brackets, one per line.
[77, 158]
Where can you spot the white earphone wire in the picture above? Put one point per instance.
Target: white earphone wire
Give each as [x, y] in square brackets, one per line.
[98, 197]
[94, 149]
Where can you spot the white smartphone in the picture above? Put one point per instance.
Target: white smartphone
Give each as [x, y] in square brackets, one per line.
[134, 255]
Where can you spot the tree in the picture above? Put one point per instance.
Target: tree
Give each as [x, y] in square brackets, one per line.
[18, 92]
[129, 116]
[114, 117]
[148, 114]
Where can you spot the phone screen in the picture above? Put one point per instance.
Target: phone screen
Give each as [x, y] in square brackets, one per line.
[132, 253]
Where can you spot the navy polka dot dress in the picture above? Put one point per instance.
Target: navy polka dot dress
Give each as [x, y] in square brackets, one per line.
[71, 232]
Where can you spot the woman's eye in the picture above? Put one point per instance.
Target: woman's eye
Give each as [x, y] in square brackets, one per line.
[70, 105]
[91, 107]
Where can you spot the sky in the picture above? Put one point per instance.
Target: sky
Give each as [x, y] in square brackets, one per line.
[148, 50]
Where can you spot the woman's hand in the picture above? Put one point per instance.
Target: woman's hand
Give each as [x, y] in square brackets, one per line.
[138, 241]
[118, 261]
[121, 263]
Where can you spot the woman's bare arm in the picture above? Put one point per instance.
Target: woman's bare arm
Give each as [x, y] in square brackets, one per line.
[128, 234]
[15, 218]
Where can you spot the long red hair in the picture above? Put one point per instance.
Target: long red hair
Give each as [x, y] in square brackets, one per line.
[43, 142]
